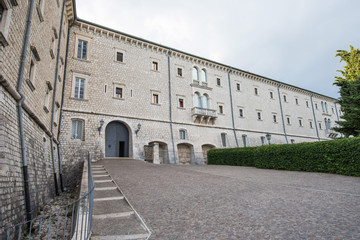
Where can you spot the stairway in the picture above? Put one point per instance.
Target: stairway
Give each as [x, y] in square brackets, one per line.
[113, 215]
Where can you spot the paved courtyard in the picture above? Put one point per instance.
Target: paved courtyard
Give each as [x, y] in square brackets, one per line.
[226, 202]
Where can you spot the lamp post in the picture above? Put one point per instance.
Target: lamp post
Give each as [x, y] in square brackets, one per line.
[101, 124]
[138, 129]
[268, 137]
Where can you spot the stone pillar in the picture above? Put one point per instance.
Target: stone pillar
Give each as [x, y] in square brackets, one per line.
[156, 153]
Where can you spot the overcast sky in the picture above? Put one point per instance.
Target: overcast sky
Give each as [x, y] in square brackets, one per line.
[292, 41]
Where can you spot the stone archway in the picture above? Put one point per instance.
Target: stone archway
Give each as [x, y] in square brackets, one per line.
[117, 142]
[185, 153]
[205, 149]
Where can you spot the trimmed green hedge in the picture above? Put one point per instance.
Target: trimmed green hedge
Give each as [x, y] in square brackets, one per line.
[341, 156]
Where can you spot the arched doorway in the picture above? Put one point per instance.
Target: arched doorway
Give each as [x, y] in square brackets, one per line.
[185, 153]
[116, 140]
[205, 149]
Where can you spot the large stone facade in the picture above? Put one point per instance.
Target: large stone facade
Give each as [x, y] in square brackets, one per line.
[146, 69]
[152, 92]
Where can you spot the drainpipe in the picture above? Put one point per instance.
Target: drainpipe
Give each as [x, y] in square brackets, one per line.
[53, 106]
[232, 110]
[20, 114]
[316, 125]
[170, 109]
[62, 104]
[282, 114]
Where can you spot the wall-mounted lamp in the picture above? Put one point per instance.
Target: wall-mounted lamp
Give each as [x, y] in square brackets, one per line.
[101, 124]
[268, 137]
[138, 129]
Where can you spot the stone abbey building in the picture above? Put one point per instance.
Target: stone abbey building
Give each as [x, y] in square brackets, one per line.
[69, 87]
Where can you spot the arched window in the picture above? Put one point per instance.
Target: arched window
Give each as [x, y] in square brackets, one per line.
[197, 100]
[329, 123]
[195, 74]
[205, 101]
[203, 75]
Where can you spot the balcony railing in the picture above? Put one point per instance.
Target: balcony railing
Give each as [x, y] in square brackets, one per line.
[204, 112]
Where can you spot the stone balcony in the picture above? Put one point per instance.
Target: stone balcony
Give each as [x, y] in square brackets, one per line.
[203, 115]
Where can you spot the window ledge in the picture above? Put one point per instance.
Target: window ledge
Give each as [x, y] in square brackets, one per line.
[118, 98]
[241, 117]
[179, 76]
[276, 122]
[82, 60]
[152, 70]
[181, 108]
[223, 114]
[79, 99]
[260, 120]
[119, 62]
[156, 104]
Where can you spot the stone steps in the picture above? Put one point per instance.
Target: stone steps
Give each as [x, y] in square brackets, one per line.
[113, 217]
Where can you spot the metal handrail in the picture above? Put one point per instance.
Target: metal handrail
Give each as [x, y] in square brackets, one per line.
[72, 221]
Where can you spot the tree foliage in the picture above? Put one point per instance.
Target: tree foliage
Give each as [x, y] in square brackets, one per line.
[349, 83]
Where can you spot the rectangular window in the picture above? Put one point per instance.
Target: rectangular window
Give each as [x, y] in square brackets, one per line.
[223, 139]
[181, 103]
[155, 66]
[179, 72]
[310, 124]
[292, 141]
[218, 81]
[119, 57]
[82, 49]
[238, 86]
[32, 71]
[256, 91]
[271, 95]
[307, 103]
[300, 123]
[316, 106]
[284, 98]
[155, 99]
[244, 138]
[262, 140]
[288, 120]
[296, 101]
[320, 126]
[332, 109]
[274, 118]
[221, 110]
[77, 129]
[182, 134]
[241, 112]
[118, 92]
[79, 88]
[259, 115]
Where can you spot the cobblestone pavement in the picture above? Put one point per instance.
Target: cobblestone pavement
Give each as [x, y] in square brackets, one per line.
[226, 202]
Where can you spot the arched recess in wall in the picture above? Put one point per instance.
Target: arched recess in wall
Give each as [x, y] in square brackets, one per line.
[117, 140]
[185, 153]
[205, 149]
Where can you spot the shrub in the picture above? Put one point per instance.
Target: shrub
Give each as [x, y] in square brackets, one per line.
[341, 156]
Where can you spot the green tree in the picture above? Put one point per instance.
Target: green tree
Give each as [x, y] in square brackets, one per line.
[349, 84]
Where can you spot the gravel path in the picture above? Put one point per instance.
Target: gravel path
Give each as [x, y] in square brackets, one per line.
[223, 202]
